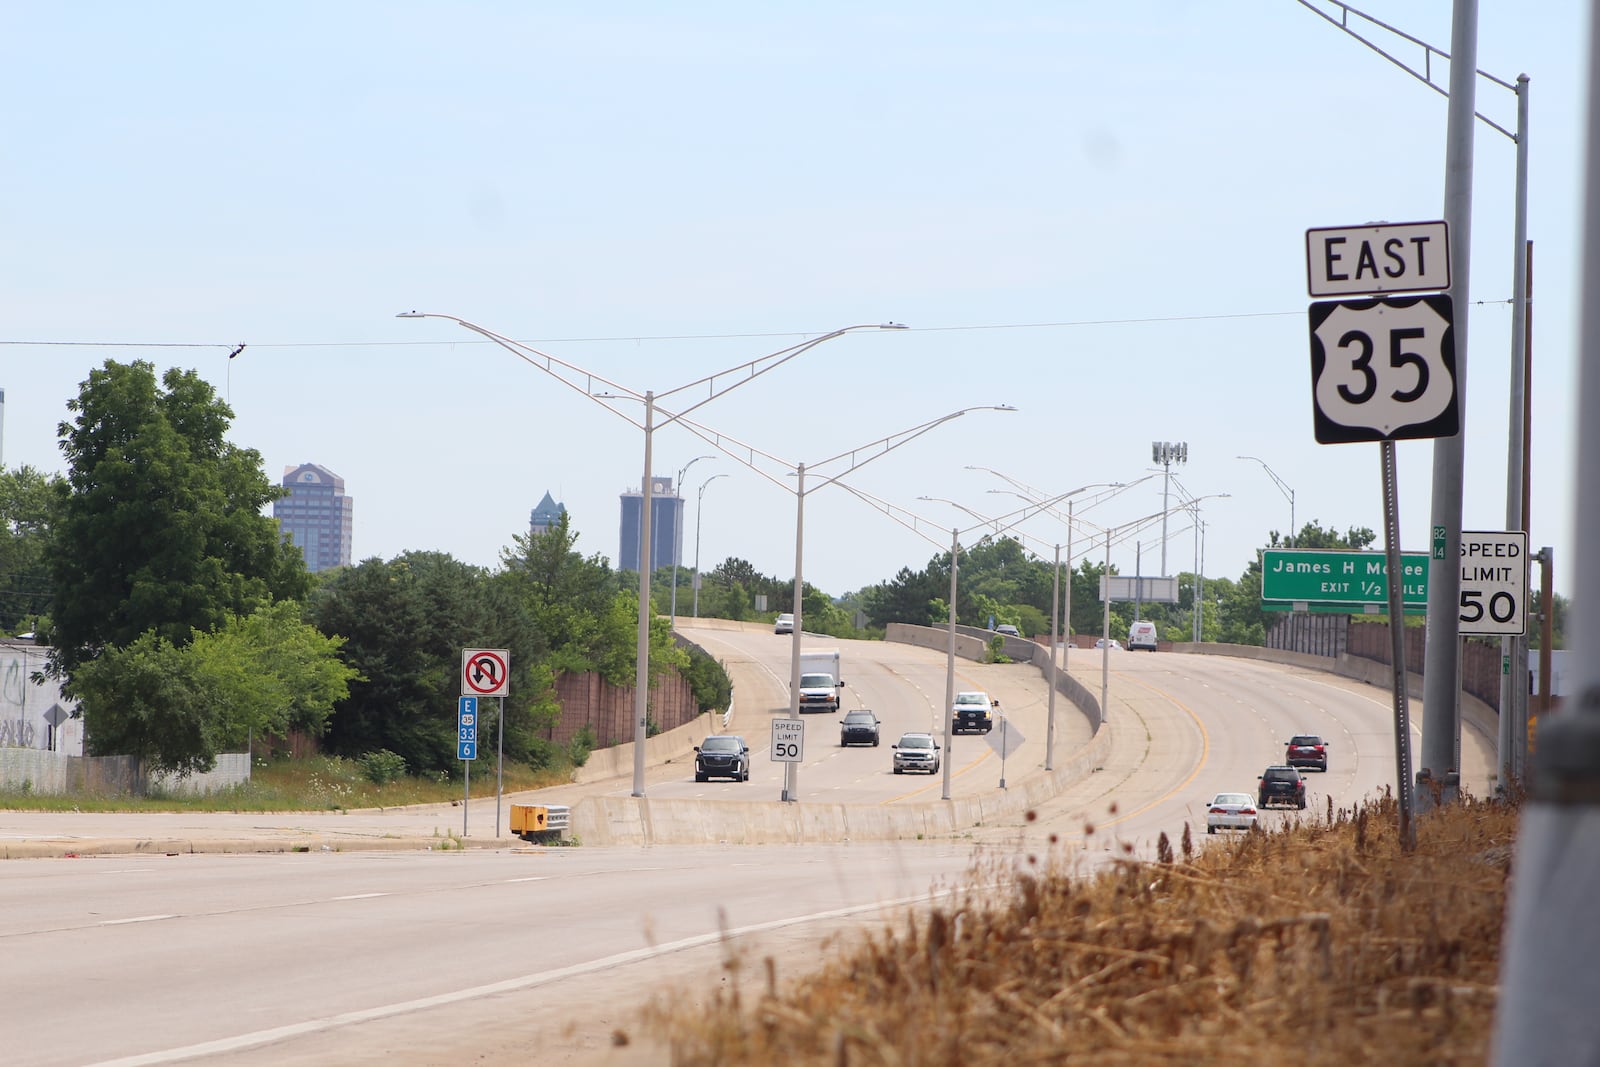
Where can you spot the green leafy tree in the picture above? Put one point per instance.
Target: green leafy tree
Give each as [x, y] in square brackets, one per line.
[159, 525]
[406, 623]
[27, 507]
[570, 601]
[176, 707]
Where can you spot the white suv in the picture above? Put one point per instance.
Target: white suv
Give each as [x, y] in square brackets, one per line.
[916, 752]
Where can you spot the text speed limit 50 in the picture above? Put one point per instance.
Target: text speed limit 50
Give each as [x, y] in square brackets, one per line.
[788, 740]
[1384, 369]
[1494, 582]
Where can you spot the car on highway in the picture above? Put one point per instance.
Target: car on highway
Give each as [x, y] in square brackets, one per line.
[784, 624]
[916, 752]
[1281, 785]
[1008, 630]
[859, 727]
[1306, 750]
[1230, 811]
[1142, 635]
[722, 756]
[1113, 643]
[972, 712]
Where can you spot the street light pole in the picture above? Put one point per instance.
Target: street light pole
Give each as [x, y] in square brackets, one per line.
[856, 457]
[641, 664]
[714, 385]
[1283, 487]
[699, 506]
[677, 532]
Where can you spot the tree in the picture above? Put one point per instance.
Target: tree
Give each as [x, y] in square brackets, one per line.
[159, 526]
[406, 623]
[569, 601]
[176, 707]
[27, 507]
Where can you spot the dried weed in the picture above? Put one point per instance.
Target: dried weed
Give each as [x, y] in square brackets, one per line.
[1322, 940]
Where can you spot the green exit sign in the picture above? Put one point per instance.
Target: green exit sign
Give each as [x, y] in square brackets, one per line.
[1334, 577]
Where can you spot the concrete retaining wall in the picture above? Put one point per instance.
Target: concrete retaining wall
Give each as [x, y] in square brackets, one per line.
[617, 761]
[57, 774]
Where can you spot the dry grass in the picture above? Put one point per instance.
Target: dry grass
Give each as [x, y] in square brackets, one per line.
[1321, 941]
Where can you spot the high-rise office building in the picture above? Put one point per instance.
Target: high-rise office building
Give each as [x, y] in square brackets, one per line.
[666, 526]
[317, 515]
[546, 515]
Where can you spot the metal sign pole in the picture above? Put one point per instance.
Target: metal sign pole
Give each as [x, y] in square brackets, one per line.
[1397, 634]
[1002, 752]
[466, 793]
[500, 768]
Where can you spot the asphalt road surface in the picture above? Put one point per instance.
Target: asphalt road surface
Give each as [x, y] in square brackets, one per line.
[544, 955]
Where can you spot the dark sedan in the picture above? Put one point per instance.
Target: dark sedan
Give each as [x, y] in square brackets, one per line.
[859, 728]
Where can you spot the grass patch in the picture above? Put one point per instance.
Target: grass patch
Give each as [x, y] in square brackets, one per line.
[319, 783]
[1321, 941]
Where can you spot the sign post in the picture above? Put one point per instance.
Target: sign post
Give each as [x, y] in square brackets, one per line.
[1384, 369]
[486, 672]
[466, 749]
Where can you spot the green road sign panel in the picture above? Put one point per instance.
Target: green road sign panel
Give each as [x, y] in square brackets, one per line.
[1348, 579]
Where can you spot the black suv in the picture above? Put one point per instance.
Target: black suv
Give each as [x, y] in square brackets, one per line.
[1281, 785]
[722, 756]
[859, 727]
[1306, 750]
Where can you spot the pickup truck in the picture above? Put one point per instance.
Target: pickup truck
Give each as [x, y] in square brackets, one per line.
[973, 712]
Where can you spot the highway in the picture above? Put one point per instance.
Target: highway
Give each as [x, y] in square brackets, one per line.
[541, 955]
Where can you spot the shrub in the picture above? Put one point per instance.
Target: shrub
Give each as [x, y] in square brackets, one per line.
[580, 746]
[382, 767]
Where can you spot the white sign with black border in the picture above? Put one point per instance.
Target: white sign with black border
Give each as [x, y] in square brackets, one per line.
[788, 740]
[1494, 582]
[1384, 369]
[1387, 257]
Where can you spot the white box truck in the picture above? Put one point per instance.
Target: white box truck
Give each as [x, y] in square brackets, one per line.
[819, 680]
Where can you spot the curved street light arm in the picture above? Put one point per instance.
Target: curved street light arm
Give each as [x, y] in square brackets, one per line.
[1425, 76]
[904, 516]
[894, 441]
[568, 374]
[584, 381]
[756, 367]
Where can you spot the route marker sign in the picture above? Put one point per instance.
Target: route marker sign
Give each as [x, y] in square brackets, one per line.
[1384, 370]
[1391, 257]
[467, 728]
[788, 740]
[485, 672]
[1494, 582]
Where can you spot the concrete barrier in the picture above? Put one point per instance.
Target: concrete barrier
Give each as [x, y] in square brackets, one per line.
[617, 761]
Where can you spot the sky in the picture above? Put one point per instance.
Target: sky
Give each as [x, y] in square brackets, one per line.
[1094, 213]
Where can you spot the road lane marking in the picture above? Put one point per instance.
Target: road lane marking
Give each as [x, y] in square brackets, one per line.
[136, 919]
[527, 981]
[360, 896]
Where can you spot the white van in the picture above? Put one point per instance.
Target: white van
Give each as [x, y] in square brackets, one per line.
[1142, 635]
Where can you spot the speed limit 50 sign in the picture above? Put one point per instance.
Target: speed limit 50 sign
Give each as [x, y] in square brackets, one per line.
[1384, 369]
[1494, 582]
[788, 740]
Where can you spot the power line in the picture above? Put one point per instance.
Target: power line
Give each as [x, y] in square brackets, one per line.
[1060, 325]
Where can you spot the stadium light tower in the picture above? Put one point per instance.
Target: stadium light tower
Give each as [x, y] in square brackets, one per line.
[1165, 454]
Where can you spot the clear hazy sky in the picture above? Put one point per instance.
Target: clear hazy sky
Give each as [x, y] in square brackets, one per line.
[1094, 212]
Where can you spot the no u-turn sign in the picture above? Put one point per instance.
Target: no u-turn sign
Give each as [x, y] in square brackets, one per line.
[485, 672]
